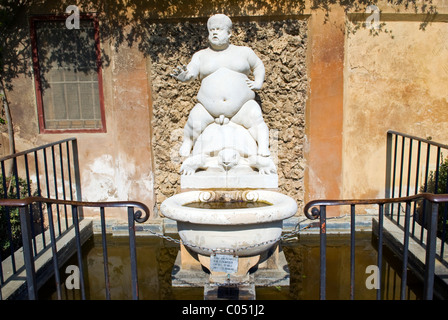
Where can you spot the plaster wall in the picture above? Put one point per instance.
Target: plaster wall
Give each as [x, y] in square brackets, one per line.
[324, 106]
[115, 165]
[396, 80]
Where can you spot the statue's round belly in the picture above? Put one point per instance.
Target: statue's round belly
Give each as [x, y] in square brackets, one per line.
[224, 92]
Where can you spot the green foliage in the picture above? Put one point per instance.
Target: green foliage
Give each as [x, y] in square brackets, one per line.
[11, 215]
[440, 178]
[2, 96]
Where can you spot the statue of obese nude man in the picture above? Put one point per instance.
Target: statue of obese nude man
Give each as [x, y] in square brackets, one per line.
[226, 93]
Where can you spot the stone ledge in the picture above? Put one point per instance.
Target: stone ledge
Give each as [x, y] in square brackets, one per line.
[169, 226]
[337, 225]
[393, 239]
[120, 228]
[206, 180]
[15, 284]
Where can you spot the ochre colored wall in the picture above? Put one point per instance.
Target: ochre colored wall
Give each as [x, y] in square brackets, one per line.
[393, 81]
[324, 108]
[359, 86]
[117, 164]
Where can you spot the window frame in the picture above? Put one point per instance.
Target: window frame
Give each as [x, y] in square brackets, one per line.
[37, 74]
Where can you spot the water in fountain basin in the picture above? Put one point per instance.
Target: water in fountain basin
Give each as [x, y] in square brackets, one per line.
[227, 204]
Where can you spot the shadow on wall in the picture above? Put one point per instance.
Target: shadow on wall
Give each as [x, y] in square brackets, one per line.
[15, 46]
[175, 30]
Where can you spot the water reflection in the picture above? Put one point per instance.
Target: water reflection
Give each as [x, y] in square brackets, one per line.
[156, 259]
[227, 204]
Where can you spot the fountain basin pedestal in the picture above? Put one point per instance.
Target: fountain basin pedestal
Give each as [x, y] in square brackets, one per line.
[268, 269]
[251, 234]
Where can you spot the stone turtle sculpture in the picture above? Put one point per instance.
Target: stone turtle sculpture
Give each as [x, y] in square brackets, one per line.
[227, 147]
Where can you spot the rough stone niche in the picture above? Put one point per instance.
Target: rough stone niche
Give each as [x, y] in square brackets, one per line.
[282, 47]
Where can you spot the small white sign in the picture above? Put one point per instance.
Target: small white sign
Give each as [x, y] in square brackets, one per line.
[224, 263]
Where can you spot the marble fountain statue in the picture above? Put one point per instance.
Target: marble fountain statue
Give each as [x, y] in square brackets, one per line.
[229, 217]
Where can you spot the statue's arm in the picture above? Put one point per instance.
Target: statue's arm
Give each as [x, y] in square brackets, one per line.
[189, 72]
[258, 70]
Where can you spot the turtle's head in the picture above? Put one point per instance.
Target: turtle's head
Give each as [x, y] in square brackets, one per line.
[228, 158]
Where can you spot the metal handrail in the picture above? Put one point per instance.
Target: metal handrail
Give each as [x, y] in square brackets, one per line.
[317, 210]
[437, 144]
[436, 198]
[29, 259]
[105, 204]
[40, 171]
[409, 160]
[52, 144]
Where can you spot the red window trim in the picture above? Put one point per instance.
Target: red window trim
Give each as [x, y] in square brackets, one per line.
[36, 69]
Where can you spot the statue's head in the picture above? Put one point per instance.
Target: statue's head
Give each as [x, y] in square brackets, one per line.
[219, 31]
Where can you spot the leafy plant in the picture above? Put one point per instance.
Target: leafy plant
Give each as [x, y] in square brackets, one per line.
[441, 179]
[10, 233]
[437, 183]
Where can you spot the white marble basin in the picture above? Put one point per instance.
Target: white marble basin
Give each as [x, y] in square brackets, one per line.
[248, 231]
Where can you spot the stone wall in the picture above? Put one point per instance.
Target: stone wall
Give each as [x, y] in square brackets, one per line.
[281, 45]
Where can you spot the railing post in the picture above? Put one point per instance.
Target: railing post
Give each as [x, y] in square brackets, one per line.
[352, 250]
[133, 252]
[380, 248]
[54, 250]
[431, 253]
[77, 175]
[75, 217]
[323, 252]
[28, 253]
[391, 213]
[404, 270]
[105, 257]
[388, 167]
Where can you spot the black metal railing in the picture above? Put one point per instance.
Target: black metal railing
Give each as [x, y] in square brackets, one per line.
[75, 206]
[50, 171]
[317, 210]
[416, 165]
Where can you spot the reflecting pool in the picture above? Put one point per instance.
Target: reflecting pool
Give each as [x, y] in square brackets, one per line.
[156, 259]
